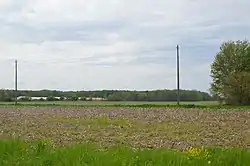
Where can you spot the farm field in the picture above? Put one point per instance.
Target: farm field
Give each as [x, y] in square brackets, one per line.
[114, 136]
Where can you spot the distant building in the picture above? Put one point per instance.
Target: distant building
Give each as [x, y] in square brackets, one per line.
[38, 98]
[25, 98]
[22, 97]
[31, 98]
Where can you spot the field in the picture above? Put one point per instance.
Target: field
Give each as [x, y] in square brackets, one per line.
[118, 136]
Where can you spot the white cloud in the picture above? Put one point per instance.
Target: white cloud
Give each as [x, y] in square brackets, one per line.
[3, 3]
[94, 44]
[68, 51]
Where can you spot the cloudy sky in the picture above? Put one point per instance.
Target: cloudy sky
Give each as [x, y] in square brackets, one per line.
[115, 44]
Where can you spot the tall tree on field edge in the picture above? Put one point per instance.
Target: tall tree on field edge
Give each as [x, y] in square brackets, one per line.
[230, 72]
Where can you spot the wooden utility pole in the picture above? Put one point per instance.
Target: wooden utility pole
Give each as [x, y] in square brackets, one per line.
[178, 74]
[15, 81]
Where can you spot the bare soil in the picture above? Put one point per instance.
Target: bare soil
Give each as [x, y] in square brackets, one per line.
[137, 127]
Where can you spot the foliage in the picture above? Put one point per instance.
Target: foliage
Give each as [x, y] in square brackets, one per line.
[6, 95]
[62, 98]
[231, 73]
[238, 88]
[20, 153]
[41, 99]
[124, 104]
[200, 153]
[83, 99]
[114, 95]
[74, 98]
[52, 98]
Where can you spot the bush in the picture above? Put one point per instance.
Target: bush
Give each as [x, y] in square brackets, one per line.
[41, 99]
[74, 98]
[62, 98]
[8, 99]
[51, 98]
[83, 99]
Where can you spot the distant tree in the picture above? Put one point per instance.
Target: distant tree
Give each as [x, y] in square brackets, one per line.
[51, 98]
[231, 73]
[41, 99]
[6, 95]
[83, 99]
[141, 97]
[74, 98]
[62, 98]
[113, 95]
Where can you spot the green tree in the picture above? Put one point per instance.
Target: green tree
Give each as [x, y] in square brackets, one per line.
[74, 98]
[230, 72]
[51, 98]
[6, 95]
[62, 98]
[115, 97]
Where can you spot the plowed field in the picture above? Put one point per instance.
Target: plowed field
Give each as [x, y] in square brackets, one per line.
[137, 127]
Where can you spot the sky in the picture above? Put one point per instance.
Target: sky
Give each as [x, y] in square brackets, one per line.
[115, 44]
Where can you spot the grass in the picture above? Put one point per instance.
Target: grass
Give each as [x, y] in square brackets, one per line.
[108, 103]
[103, 121]
[124, 104]
[20, 153]
[127, 127]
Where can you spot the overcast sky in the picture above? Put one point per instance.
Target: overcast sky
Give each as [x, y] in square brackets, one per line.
[115, 44]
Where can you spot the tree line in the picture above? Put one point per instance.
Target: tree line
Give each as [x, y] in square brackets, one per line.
[111, 95]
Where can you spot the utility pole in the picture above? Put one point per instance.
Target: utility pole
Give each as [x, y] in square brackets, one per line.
[178, 74]
[15, 81]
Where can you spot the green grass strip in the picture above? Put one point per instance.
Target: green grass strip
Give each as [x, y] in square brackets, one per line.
[43, 153]
[40, 104]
